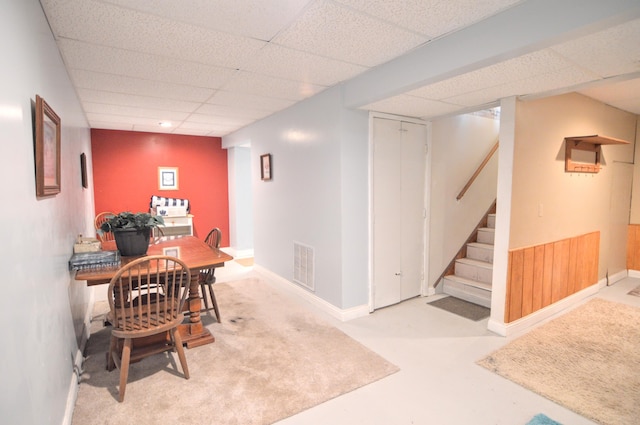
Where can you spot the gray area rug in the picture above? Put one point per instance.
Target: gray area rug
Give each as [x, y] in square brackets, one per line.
[462, 308]
[271, 359]
[635, 292]
[586, 360]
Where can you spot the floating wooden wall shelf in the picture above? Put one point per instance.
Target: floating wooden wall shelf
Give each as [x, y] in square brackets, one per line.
[587, 159]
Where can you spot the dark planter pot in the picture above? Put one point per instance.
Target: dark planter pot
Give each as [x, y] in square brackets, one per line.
[132, 242]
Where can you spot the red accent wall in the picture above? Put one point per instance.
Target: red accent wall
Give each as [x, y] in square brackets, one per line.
[125, 174]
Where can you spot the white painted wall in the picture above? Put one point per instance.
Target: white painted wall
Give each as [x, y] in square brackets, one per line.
[459, 145]
[318, 194]
[635, 195]
[549, 204]
[240, 201]
[42, 309]
[503, 214]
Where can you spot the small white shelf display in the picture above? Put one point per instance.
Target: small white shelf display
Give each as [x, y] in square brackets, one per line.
[175, 213]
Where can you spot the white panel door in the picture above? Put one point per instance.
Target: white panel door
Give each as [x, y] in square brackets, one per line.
[398, 208]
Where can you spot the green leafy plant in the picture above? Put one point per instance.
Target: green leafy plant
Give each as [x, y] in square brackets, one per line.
[129, 220]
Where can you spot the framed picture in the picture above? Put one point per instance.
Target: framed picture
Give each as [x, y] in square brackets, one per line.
[167, 178]
[265, 166]
[47, 149]
[83, 170]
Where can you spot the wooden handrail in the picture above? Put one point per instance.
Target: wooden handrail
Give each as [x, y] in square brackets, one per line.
[480, 168]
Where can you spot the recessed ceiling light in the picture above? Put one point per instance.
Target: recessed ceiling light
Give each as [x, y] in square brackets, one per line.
[165, 124]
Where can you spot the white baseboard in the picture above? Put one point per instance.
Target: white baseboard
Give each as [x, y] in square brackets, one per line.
[71, 400]
[341, 314]
[78, 360]
[634, 273]
[238, 253]
[617, 277]
[430, 291]
[521, 325]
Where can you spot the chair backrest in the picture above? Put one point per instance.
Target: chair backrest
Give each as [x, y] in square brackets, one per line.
[148, 294]
[97, 222]
[213, 238]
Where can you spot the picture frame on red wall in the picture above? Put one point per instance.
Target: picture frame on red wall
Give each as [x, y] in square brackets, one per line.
[167, 178]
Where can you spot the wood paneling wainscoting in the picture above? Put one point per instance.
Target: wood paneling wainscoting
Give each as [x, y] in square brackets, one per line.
[633, 247]
[544, 274]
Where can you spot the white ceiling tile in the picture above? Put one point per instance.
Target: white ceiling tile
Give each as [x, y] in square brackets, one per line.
[209, 127]
[158, 115]
[195, 132]
[624, 94]
[136, 86]
[152, 129]
[227, 98]
[412, 106]
[622, 90]
[289, 64]
[122, 119]
[263, 85]
[261, 19]
[431, 18]
[542, 83]
[232, 112]
[95, 96]
[110, 25]
[610, 52]
[337, 32]
[167, 59]
[209, 119]
[90, 57]
[515, 69]
[110, 125]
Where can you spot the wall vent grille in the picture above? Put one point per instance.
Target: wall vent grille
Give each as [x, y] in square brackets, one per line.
[303, 265]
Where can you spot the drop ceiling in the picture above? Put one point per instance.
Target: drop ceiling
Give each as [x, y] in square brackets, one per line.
[211, 67]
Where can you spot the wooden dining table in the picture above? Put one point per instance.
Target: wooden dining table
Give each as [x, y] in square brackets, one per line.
[196, 254]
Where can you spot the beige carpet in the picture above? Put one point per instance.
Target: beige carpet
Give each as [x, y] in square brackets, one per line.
[271, 359]
[587, 360]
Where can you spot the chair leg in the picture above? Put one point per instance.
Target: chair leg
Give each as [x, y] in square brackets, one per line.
[214, 302]
[177, 342]
[124, 366]
[113, 347]
[204, 296]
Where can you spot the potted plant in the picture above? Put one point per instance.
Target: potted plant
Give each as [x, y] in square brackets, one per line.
[132, 231]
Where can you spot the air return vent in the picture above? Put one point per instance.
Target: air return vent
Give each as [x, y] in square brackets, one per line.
[303, 265]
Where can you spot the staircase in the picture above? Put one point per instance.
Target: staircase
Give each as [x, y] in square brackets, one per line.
[472, 277]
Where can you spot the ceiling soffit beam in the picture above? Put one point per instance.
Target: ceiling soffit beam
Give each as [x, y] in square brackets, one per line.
[524, 28]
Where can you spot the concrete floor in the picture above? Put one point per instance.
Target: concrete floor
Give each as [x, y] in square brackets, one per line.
[439, 382]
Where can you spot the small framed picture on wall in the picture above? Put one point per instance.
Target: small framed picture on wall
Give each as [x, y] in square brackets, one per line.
[83, 170]
[265, 166]
[167, 178]
[47, 149]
